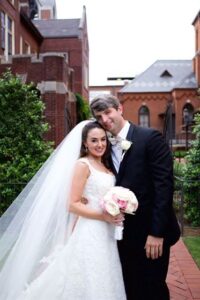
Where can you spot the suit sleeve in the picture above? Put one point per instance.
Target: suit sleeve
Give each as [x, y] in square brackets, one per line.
[161, 167]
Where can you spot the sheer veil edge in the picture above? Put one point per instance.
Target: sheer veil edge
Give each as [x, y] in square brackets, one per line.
[37, 222]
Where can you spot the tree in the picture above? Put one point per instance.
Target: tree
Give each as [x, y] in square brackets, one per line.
[83, 109]
[192, 177]
[22, 147]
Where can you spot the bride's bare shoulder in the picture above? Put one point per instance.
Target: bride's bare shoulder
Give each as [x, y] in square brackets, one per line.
[82, 167]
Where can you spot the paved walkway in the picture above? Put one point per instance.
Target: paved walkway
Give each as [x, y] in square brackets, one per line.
[183, 276]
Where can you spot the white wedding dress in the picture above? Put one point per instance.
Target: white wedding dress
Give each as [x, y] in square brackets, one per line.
[88, 266]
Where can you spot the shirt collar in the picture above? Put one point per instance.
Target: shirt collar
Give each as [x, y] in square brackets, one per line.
[124, 131]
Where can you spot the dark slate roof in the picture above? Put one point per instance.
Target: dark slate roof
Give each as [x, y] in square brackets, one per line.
[163, 76]
[58, 28]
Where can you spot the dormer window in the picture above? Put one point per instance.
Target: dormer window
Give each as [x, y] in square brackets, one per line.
[166, 74]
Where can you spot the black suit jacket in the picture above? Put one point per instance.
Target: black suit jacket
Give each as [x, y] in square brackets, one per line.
[147, 170]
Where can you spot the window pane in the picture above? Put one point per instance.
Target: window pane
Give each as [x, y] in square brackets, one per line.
[144, 110]
[144, 116]
[9, 24]
[9, 44]
[2, 19]
[144, 120]
[3, 32]
[187, 114]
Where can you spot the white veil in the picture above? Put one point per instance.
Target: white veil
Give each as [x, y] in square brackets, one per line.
[38, 222]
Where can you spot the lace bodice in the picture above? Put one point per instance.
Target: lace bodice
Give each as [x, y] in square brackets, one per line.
[98, 183]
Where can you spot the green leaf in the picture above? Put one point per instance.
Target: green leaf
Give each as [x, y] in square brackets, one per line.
[22, 147]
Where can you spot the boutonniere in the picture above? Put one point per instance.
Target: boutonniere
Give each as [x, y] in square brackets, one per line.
[125, 145]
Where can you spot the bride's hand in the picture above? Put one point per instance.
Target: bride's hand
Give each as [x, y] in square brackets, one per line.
[115, 220]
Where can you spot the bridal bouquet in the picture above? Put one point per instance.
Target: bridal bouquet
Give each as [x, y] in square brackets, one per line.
[119, 199]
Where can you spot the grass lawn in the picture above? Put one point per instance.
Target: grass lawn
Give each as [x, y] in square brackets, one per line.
[193, 245]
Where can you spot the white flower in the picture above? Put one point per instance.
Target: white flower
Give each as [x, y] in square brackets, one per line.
[131, 206]
[125, 145]
[112, 208]
[119, 199]
[121, 192]
[111, 200]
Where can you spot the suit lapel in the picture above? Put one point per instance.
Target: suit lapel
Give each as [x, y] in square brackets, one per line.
[130, 137]
[130, 132]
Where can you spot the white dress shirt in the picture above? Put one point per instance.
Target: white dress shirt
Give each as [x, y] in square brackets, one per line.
[116, 149]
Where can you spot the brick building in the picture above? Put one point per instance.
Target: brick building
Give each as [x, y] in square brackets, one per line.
[165, 96]
[162, 94]
[52, 53]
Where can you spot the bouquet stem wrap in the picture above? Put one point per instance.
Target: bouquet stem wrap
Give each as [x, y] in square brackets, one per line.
[119, 232]
[119, 200]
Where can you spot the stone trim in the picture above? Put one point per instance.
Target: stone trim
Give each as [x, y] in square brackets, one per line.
[52, 86]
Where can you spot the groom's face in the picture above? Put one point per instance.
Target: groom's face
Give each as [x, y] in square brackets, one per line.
[111, 119]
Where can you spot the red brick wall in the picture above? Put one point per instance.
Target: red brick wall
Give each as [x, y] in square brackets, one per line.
[45, 14]
[20, 29]
[31, 40]
[55, 69]
[156, 104]
[73, 47]
[50, 70]
[196, 61]
[181, 98]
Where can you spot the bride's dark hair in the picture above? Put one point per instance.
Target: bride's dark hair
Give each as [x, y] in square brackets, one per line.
[83, 151]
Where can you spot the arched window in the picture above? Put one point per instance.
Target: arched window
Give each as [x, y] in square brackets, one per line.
[187, 114]
[144, 116]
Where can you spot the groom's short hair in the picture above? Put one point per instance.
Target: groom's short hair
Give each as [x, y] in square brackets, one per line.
[102, 102]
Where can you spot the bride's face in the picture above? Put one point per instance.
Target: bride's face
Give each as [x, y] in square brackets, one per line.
[96, 142]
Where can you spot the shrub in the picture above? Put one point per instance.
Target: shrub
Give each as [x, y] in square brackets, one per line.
[22, 148]
[192, 178]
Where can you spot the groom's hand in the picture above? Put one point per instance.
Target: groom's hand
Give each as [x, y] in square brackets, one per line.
[154, 247]
[84, 200]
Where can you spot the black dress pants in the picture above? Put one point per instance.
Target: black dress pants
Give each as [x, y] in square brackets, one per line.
[144, 279]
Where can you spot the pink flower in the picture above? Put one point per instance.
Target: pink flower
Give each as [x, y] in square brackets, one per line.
[122, 204]
[119, 199]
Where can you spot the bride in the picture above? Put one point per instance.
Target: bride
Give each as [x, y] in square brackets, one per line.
[52, 246]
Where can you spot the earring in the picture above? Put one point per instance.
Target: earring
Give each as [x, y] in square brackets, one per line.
[86, 149]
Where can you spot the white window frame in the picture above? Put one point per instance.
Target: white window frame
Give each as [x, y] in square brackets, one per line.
[8, 45]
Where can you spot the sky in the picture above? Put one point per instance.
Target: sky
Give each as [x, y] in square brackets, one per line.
[127, 36]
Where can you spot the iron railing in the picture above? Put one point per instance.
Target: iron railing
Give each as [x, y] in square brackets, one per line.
[185, 192]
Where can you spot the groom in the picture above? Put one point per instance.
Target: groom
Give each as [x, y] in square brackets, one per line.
[146, 169]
